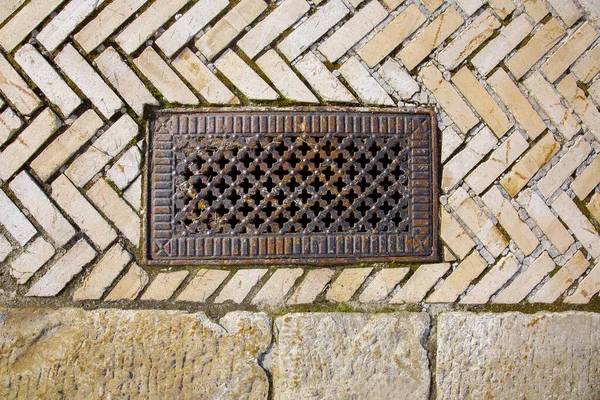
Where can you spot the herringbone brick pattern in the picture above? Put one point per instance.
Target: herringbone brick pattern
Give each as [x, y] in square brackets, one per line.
[516, 85]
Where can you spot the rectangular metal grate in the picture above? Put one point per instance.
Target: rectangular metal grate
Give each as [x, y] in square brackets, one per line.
[319, 185]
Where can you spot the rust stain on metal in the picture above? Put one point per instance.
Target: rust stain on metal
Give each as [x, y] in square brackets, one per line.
[288, 186]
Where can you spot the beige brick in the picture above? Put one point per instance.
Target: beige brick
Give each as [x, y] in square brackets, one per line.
[470, 6]
[497, 163]
[227, 28]
[561, 280]
[313, 284]
[448, 98]
[567, 10]
[284, 79]
[347, 283]
[82, 213]
[468, 40]
[16, 89]
[583, 106]
[546, 220]
[492, 281]
[432, 5]
[47, 79]
[33, 257]
[202, 78]
[481, 101]
[535, 9]
[382, 284]
[240, 285]
[399, 80]
[126, 169]
[430, 37]
[133, 194]
[163, 77]
[14, 221]
[594, 206]
[363, 83]
[352, 31]
[244, 77]
[594, 91]
[130, 285]
[454, 235]
[502, 7]
[528, 279]
[164, 285]
[587, 180]
[417, 286]
[5, 248]
[63, 270]
[518, 105]
[542, 41]
[8, 7]
[459, 280]
[203, 285]
[533, 160]
[9, 124]
[477, 221]
[277, 287]
[582, 228]
[322, 80]
[103, 274]
[588, 66]
[27, 143]
[587, 288]
[569, 51]
[500, 46]
[459, 165]
[564, 168]
[384, 42]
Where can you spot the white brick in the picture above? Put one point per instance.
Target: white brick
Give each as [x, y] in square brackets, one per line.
[588, 66]
[14, 221]
[164, 285]
[244, 77]
[126, 169]
[588, 287]
[277, 287]
[583, 106]
[458, 281]
[524, 283]
[284, 79]
[451, 141]
[567, 10]
[382, 284]
[240, 285]
[313, 284]
[363, 83]
[561, 280]
[347, 283]
[582, 228]
[5, 248]
[564, 168]
[322, 80]
[203, 285]
[103, 274]
[31, 260]
[492, 281]
[16, 89]
[417, 286]
[130, 285]
[133, 194]
[8, 7]
[395, 76]
[9, 124]
[454, 235]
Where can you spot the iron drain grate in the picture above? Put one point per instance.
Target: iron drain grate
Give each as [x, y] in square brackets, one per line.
[291, 186]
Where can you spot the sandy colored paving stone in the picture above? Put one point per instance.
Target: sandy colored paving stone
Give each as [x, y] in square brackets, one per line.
[63, 270]
[518, 105]
[5, 248]
[244, 77]
[103, 274]
[587, 288]
[584, 231]
[568, 163]
[133, 194]
[502, 7]
[16, 89]
[202, 79]
[203, 285]
[82, 212]
[459, 279]
[277, 287]
[238, 287]
[382, 284]
[313, 28]
[569, 51]
[363, 83]
[88, 81]
[546, 220]
[470, 6]
[47, 79]
[451, 141]
[164, 285]
[394, 75]
[389, 357]
[432, 5]
[542, 41]
[124, 80]
[454, 235]
[587, 180]
[567, 11]
[459, 165]
[14, 221]
[583, 106]
[284, 79]
[534, 8]
[346, 284]
[481, 101]
[594, 90]
[419, 284]
[145, 24]
[8, 7]
[126, 169]
[313, 284]
[594, 206]
[227, 28]
[561, 280]
[515, 355]
[27, 143]
[588, 66]
[385, 41]
[163, 78]
[477, 32]
[130, 285]
[508, 217]
[322, 80]
[61, 26]
[526, 281]
[33, 257]
[430, 37]
[189, 24]
[476, 220]
[361, 23]
[500, 159]
[41, 208]
[9, 124]
[448, 98]
[116, 209]
[138, 353]
[492, 281]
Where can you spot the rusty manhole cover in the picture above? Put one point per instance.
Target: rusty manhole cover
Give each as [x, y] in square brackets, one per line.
[247, 186]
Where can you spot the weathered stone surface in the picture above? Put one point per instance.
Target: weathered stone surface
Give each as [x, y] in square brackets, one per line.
[72, 353]
[514, 355]
[351, 356]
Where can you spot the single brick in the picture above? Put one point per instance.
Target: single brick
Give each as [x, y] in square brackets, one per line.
[382, 284]
[164, 285]
[535, 9]
[363, 83]
[14, 221]
[277, 287]
[313, 284]
[459, 280]
[526, 281]
[240, 285]
[16, 89]
[492, 281]
[284, 79]
[33, 257]
[244, 77]
[561, 280]
[322, 80]
[567, 10]
[454, 235]
[203, 285]
[582, 105]
[394, 75]
[130, 285]
[564, 168]
[417, 286]
[346, 284]
[584, 231]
